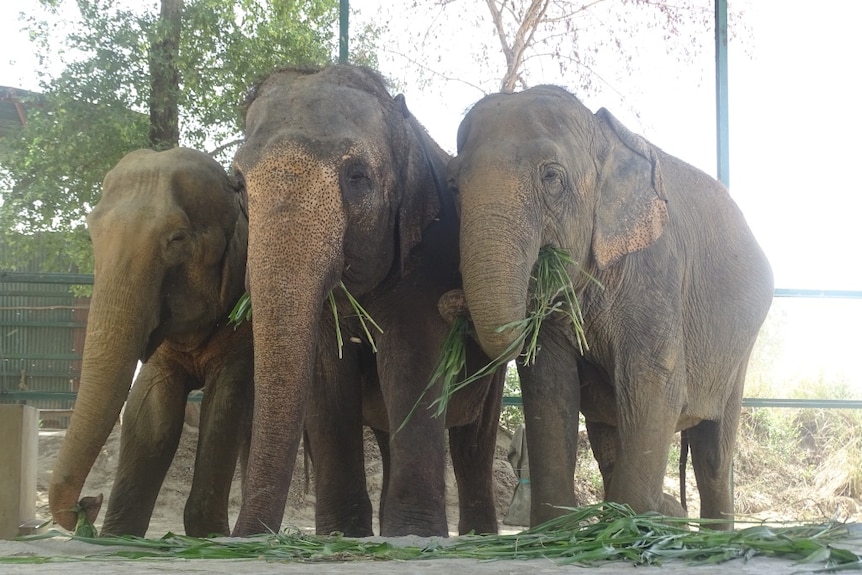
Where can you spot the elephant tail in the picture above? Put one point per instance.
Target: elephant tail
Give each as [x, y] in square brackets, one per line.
[683, 461]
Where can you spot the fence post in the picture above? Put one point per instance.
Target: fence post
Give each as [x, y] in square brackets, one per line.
[19, 455]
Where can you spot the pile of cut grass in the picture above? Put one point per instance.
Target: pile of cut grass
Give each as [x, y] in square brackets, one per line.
[584, 536]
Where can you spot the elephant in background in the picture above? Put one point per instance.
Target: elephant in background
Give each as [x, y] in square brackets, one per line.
[682, 290]
[344, 185]
[169, 241]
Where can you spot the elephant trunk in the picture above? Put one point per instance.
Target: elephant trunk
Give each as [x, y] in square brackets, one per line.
[116, 337]
[497, 256]
[291, 269]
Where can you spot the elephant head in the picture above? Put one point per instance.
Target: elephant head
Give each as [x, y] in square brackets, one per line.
[169, 242]
[538, 168]
[330, 166]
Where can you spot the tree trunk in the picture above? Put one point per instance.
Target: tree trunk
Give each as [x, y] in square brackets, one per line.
[165, 77]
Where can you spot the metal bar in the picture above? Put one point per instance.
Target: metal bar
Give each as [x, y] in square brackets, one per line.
[48, 323]
[343, 31]
[515, 401]
[45, 278]
[722, 130]
[38, 396]
[818, 293]
[72, 356]
[35, 294]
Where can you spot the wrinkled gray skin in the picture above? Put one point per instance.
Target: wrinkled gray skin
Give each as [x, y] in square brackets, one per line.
[169, 241]
[344, 185]
[686, 288]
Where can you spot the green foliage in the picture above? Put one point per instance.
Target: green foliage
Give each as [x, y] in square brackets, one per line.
[512, 415]
[96, 110]
[242, 311]
[587, 535]
[552, 292]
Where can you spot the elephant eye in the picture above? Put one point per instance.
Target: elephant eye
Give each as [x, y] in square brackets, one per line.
[356, 178]
[552, 178]
[178, 236]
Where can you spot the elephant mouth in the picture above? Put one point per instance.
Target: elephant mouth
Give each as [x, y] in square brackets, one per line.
[452, 305]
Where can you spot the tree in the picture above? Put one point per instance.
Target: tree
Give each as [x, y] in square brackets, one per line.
[134, 77]
[576, 41]
[165, 76]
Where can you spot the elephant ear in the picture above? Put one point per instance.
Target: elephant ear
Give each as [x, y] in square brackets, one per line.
[422, 199]
[233, 271]
[632, 207]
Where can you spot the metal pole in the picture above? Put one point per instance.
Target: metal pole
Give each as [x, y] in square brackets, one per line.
[343, 27]
[721, 99]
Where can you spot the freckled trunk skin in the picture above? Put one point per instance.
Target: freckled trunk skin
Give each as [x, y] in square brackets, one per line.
[291, 270]
[117, 332]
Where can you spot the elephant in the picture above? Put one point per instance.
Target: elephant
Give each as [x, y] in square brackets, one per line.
[345, 187]
[169, 242]
[673, 288]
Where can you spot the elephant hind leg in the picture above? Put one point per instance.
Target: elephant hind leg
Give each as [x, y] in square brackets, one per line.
[712, 458]
[224, 431]
[712, 446]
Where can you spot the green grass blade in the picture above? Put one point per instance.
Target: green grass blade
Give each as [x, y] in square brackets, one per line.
[338, 337]
[241, 310]
[586, 535]
[364, 317]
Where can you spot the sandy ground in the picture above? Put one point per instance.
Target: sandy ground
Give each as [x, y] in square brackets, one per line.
[299, 511]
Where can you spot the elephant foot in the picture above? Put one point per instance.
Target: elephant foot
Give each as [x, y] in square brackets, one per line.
[671, 507]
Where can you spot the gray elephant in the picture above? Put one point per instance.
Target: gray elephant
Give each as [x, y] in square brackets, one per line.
[169, 241]
[682, 289]
[345, 186]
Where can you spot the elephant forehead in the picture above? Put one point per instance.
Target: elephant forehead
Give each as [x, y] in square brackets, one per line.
[293, 163]
[291, 178]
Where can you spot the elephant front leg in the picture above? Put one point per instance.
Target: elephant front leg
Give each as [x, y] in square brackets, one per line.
[647, 418]
[333, 423]
[472, 448]
[151, 429]
[551, 396]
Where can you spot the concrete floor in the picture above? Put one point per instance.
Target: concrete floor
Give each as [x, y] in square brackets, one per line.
[66, 559]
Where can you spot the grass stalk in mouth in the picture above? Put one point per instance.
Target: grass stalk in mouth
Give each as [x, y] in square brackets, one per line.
[242, 312]
[553, 292]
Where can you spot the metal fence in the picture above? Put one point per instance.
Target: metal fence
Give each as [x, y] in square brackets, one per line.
[42, 327]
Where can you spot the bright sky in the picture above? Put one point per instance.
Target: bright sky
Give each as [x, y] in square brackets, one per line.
[794, 125]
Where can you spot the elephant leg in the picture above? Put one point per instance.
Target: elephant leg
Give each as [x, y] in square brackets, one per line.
[472, 448]
[333, 423]
[224, 427]
[152, 424]
[551, 396]
[646, 425]
[604, 443]
[383, 445]
[416, 491]
[712, 446]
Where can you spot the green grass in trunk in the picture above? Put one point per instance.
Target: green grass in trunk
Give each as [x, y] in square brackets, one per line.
[553, 292]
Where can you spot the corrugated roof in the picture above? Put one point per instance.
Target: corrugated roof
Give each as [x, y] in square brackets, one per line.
[13, 105]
